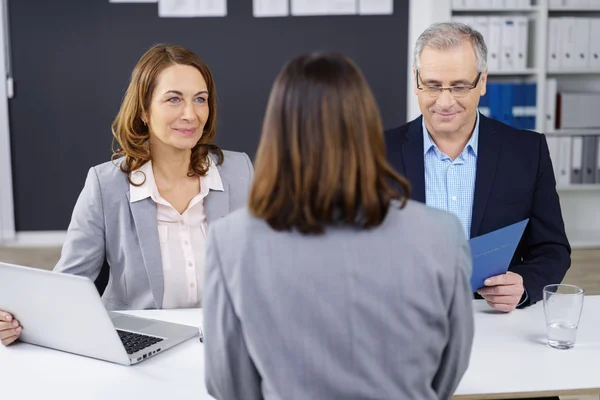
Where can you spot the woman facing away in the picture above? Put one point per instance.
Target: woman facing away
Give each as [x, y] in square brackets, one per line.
[146, 212]
[332, 284]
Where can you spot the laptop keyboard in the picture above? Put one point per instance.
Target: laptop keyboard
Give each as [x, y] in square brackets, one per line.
[135, 342]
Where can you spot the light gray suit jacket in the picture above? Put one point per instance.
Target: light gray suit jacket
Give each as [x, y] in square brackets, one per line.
[106, 224]
[378, 314]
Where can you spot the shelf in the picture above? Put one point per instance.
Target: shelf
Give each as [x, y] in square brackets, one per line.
[575, 72]
[574, 9]
[529, 9]
[579, 188]
[516, 72]
[574, 132]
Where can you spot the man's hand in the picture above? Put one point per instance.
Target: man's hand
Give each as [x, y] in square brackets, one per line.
[503, 292]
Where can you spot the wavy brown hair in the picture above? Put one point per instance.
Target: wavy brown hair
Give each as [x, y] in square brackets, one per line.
[130, 131]
[321, 158]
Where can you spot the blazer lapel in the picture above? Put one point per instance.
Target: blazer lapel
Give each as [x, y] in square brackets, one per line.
[146, 226]
[488, 153]
[216, 203]
[414, 161]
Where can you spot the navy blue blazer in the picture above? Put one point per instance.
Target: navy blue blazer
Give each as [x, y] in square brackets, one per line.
[514, 181]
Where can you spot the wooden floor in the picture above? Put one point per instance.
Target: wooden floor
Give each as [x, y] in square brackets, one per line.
[584, 272]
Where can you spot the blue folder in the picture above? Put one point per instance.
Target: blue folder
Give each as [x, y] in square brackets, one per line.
[493, 252]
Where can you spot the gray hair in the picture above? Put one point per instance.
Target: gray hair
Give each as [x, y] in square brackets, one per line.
[449, 35]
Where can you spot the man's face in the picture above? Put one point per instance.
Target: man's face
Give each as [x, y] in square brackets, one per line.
[445, 113]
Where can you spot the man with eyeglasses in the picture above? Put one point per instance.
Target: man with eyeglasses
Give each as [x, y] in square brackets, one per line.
[487, 173]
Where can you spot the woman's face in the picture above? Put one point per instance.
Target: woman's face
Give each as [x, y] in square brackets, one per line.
[179, 108]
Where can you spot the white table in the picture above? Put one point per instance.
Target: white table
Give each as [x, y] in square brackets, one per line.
[509, 359]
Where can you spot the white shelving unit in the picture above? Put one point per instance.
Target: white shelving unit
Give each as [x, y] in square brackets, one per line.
[580, 203]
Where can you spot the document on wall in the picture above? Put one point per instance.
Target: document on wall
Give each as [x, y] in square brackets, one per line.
[376, 7]
[493, 252]
[323, 7]
[270, 8]
[133, 1]
[343, 7]
[192, 8]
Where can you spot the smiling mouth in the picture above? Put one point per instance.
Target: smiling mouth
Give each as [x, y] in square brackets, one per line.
[186, 131]
[445, 114]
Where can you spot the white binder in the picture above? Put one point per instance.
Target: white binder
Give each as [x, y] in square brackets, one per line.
[459, 4]
[482, 24]
[494, 45]
[522, 41]
[577, 159]
[497, 4]
[511, 3]
[594, 51]
[564, 175]
[567, 43]
[551, 89]
[554, 54]
[509, 44]
[582, 42]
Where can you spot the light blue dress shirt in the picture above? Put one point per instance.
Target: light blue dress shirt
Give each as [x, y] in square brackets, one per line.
[450, 184]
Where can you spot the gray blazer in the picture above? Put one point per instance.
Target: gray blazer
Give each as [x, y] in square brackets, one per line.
[351, 314]
[106, 224]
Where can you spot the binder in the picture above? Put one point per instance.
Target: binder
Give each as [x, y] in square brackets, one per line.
[530, 109]
[522, 41]
[589, 159]
[506, 100]
[597, 159]
[482, 24]
[494, 45]
[554, 149]
[509, 44]
[567, 43]
[519, 102]
[484, 103]
[497, 4]
[576, 159]
[582, 42]
[524, 3]
[551, 88]
[564, 176]
[594, 50]
[554, 52]
[511, 3]
[459, 3]
[495, 100]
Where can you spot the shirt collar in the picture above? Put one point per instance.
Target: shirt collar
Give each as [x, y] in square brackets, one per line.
[211, 181]
[472, 144]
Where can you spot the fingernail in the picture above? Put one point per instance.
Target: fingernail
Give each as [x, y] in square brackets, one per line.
[15, 323]
[19, 329]
[9, 317]
[488, 281]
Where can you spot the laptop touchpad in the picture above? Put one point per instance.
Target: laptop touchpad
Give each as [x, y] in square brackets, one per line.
[131, 323]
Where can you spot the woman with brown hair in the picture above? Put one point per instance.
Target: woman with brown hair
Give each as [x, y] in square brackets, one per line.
[332, 284]
[145, 212]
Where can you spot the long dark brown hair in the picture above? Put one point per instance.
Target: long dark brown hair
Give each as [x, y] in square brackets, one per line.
[321, 158]
[130, 131]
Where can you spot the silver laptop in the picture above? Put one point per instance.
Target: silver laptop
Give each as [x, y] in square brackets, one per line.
[64, 312]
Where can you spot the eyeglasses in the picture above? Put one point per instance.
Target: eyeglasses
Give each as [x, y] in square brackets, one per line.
[455, 91]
